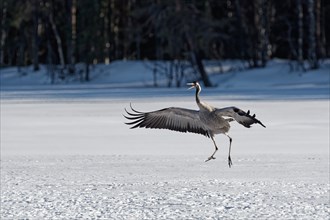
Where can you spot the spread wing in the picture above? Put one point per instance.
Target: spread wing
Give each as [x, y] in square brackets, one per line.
[239, 115]
[176, 119]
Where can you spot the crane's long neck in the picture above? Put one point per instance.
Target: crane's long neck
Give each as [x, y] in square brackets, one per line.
[198, 90]
[202, 105]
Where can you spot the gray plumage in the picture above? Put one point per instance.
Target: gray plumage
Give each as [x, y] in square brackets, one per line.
[208, 121]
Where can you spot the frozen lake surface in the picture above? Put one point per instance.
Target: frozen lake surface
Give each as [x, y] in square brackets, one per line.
[67, 154]
[165, 187]
[72, 158]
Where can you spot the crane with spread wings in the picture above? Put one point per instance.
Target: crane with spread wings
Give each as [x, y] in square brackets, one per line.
[207, 121]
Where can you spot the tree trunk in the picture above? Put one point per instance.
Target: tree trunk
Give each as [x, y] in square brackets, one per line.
[20, 55]
[320, 45]
[58, 39]
[300, 56]
[200, 66]
[35, 43]
[71, 34]
[264, 37]
[107, 32]
[50, 65]
[326, 52]
[111, 9]
[3, 32]
[241, 31]
[74, 31]
[87, 75]
[51, 71]
[260, 36]
[311, 36]
[196, 60]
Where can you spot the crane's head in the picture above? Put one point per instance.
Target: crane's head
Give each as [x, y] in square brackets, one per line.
[194, 84]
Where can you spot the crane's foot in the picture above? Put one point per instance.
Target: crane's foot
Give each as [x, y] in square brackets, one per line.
[210, 158]
[229, 162]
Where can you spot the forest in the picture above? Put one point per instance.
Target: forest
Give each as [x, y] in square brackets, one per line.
[63, 33]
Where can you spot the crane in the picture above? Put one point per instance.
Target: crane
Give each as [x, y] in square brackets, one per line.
[207, 121]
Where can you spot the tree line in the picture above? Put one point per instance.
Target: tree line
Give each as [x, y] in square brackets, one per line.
[62, 33]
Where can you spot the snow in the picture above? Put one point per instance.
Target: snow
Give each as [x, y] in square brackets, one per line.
[165, 187]
[234, 75]
[67, 154]
[97, 127]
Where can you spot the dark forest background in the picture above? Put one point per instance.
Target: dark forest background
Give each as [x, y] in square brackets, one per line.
[66, 32]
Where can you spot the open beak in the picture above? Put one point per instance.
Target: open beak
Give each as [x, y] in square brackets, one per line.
[191, 84]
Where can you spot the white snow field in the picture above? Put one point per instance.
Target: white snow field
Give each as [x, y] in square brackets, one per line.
[67, 154]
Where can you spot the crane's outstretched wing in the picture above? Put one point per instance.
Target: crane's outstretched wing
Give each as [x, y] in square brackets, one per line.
[176, 119]
[239, 115]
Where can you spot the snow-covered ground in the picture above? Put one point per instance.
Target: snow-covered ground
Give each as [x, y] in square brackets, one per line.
[234, 75]
[67, 154]
[165, 187]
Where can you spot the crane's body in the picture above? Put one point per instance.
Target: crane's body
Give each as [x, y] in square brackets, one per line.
[208, 121]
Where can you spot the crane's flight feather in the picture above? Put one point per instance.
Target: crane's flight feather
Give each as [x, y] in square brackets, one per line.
[176, 119]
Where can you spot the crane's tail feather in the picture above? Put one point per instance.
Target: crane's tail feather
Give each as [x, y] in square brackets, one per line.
[254, 118]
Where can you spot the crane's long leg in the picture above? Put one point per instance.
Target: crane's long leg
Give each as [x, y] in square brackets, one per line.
[229, 158]
[216, 149]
